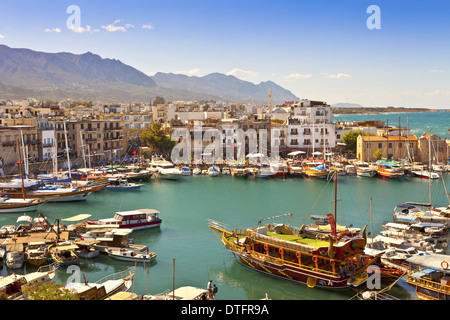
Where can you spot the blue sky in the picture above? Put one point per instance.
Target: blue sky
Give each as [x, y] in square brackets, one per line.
[318, 49]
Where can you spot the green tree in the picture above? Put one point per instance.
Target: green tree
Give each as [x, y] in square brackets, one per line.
[378, 154]
[350, 138]
[156, 138]
[47, 291]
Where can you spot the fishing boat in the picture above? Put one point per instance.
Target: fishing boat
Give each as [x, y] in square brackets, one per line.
[138, 219]
[197, 171]
[389, 170]
[113, 239]
[11, 285]
[185, 171]
[295, 169]
[278, 169]
[213, 171]
[119, 184]
[86, 248]
[315, 169]
[126, 254]
[288, 252]
[37, 253]
[238, 170]
[15, 257]
[8, 205]
[63, 253]
[426, 174]
[364, 170]
[431, 277]
[104, 288]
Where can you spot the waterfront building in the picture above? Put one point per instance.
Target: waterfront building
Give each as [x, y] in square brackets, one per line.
[392, 148]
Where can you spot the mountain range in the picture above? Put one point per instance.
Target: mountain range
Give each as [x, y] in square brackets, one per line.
[26, 73]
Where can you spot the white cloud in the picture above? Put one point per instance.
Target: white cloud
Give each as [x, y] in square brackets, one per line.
[148, 26]
[81, 29]
[113, 28]
[129, 25]
[436, 71]
[337, 75]
[295, 76]
[190, 72]
[242, 74]
[53, 30]
[1, 36]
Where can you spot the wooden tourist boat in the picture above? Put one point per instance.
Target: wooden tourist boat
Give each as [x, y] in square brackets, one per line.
[138, 219]
[293, 253]
[390, 170]
[431, 277]
[314, 169]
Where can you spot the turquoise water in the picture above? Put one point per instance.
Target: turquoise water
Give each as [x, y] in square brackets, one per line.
[199, 255]
[419, 122]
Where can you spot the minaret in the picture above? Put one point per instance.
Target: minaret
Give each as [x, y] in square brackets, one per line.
[270, 102]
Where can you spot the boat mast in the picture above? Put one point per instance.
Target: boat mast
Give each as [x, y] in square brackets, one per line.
[335, 200]
[429, 166]
[21, 172]
[67, 150]
[82, 148]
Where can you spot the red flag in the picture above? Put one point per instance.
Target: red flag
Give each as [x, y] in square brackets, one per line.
[331, 220]
[134, 152]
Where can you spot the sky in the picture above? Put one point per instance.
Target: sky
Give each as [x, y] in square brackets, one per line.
[337, 51]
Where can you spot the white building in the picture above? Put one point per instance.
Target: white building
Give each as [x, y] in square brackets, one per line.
[311, 127]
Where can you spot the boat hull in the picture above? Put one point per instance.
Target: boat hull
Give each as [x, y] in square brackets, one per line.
[288, 272]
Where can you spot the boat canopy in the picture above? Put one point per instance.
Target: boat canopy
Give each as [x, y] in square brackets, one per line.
[187, 293]
[138, 211]
[76, 218]
[24, 218]
[429, 260]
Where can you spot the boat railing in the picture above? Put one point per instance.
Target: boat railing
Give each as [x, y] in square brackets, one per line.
[218, 225]
[118, 275]
[281, 243]
[51, 267]
[428, 284]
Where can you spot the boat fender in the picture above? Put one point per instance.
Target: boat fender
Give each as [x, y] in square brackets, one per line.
[444, 265]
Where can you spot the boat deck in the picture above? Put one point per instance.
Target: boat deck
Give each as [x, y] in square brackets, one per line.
[298, 239]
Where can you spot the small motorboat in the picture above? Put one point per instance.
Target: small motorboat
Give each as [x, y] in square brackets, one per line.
[185, 171]
[15, 257]
[126, 254]
[63, 253]
[120, 184]
[213, 171]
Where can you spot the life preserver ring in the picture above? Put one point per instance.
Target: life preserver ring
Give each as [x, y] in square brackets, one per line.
[281, 250]
[266, 247]
[444, 265]
[298, 254]
[315, 258]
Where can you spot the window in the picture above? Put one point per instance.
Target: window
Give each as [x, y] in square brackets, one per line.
[390, 144]
[380, 145]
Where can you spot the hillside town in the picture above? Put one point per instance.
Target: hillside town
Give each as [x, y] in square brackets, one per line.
[100, 133]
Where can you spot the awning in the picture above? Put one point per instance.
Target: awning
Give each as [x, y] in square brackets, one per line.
[24, 218]
[78, 217]
[296, 153]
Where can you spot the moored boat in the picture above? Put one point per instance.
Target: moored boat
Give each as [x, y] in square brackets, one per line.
[138, 219]
[315, 169]
[126, 254]
[63, 253]
[290, 253]
[119, 184]
[390, 170]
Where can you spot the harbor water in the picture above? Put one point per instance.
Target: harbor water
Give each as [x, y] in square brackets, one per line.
[190, 254]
